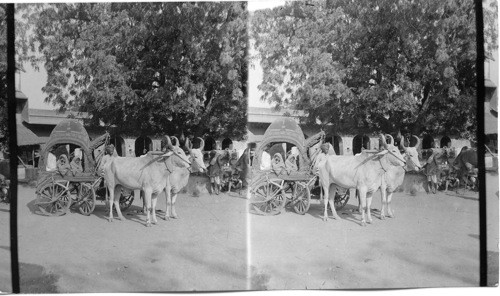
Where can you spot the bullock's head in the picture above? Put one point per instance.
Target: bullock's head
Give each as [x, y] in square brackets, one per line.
[175, 153]
[393, 154]
[196, 156]
[411, 155]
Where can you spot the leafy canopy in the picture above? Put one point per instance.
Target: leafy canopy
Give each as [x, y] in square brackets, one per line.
[373, 65]
[144, 67]
[4, 135]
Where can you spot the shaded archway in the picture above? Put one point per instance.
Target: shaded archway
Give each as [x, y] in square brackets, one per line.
[210, 144]
[360, 142]
[336, 142]
[196, 143]
[143, 145]
[427, 142]
[445, 142]
[227, 143]
[119, 144]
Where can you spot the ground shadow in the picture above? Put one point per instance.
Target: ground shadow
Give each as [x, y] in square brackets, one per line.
[34, 279]
[346, 213]
[5, 248]
[5, 210]
[133, 213]
[460, 195]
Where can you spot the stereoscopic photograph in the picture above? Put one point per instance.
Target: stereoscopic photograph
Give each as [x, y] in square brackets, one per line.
[254, 145]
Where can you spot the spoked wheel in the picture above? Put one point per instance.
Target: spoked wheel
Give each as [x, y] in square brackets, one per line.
[341, 199]
[126, 199]
[53, 199]
[268, 199]
[86, 198]
[301, 198]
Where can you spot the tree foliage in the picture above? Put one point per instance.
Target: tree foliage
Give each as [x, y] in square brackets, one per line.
[373, 65]
[145, 67]
[4, 135]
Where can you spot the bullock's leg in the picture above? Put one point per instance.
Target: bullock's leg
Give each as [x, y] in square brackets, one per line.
[332, 204]
[390, 213]
[325, 200]
[116, 201]
[154, 199]
[168, 196]
[369, 196]
[111, 189]
[384, 204]
[173, 214]
[147, 197]
[362, 199]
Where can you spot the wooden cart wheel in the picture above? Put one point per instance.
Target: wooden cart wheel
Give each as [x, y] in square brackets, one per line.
[86, 198]
[126, 199]
[53, 199]
[341, 199]
[301, 198]
[268, 199]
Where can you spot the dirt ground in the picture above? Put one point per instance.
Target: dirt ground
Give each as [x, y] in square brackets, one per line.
[5, 278]
[432, 242]
[203, 250]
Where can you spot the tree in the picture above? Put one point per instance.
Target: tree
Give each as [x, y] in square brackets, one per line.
[4, 135]
[373, 65]
[149, 68]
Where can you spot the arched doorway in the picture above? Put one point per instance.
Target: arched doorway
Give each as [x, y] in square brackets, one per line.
[227, 144]
[336, 142]
[196, 143]
[360, 142]
[445, 142]
[210, 144]
[119, 144]
[143, 145]
[427, 142]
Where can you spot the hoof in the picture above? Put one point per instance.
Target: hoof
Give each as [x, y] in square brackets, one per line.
[391, 216]
[370, 221]
[363, 223]
[166, 218]
[110, 219]
[174, 217]
[382, 217]
[148, 224]
[336, 217]
[325, 219]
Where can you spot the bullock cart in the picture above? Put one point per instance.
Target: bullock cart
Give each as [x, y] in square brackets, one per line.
[57, 190]
[289, 179]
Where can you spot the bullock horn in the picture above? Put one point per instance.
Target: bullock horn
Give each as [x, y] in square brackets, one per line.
[169, 143]
[392, 139]
[188, 144]
[202, 143]
[418, 141]
[176, 141]
[402, 144]
[384, 142]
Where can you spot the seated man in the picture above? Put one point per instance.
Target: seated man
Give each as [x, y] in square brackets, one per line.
[291, 164]
[63, 166]
[278, 165]
[76, 166]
